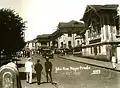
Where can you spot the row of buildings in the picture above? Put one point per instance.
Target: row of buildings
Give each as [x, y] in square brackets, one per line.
[98, 34]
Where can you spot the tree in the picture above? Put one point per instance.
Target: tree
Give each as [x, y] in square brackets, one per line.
[12, 29]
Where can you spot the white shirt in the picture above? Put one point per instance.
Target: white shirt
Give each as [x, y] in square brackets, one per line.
[28, 66]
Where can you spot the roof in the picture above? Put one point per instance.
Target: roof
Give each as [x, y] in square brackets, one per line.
[59, 31]
[97, 8]
[65, 27]
[109, 6]
[71, 24]
[43, 36]
[55, 34]
[103, 7]
[34, 40]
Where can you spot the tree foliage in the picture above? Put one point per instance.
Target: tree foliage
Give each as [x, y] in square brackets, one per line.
[12, 29]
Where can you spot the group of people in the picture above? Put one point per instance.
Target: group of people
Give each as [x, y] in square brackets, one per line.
[38, 68]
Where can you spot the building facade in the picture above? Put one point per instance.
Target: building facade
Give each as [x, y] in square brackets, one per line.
[44, 40]
[31, 45]
[102, 32]
[67, 34]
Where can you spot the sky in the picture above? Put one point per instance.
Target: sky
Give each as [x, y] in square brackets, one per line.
[43, 16]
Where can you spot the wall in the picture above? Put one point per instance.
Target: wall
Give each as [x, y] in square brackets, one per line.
[64, 38]
[108, 34]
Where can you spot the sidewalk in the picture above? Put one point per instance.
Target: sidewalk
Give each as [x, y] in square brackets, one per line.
[34, 84]
[97, 63]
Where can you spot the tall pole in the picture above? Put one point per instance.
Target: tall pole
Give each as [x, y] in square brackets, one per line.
[73, 36]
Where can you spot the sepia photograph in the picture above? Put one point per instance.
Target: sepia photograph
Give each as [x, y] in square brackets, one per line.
[59, 44]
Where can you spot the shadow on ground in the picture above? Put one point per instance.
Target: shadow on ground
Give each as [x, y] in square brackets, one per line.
[44, 83]
[22, 75]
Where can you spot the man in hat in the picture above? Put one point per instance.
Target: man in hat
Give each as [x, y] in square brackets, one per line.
[29, 66]
[38, 68]
[48, 69]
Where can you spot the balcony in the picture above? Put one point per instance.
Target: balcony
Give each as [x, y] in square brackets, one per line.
[95, 40]
[78, 37]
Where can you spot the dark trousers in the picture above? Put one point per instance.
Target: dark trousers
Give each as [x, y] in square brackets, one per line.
[49, 73]
[38, 77]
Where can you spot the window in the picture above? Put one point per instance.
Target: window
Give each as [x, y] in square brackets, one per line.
[99, 29]
[88, 33]
[81, 42]
[69, 44]
[61, 44]
[78, 42]
[69, 34]
[105, 20]
[99, 49]
[78, 33]
[95, 50]
[91, 50]
[117, 27]
[33, 44]
[64, 46]
[117, 30]
[43, 43]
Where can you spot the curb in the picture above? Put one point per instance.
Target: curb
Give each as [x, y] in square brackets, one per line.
[89, 63]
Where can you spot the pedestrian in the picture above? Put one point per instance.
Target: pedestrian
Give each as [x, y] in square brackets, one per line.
[29, 66]
[48, 69]
[38, 68]
[114, 61]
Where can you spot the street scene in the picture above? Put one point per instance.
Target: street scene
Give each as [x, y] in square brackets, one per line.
[72, 74]
[60, 44]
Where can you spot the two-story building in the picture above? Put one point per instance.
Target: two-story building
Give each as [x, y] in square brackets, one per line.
[102, 38]
[32, 44]
[44, 40]
[67, 33]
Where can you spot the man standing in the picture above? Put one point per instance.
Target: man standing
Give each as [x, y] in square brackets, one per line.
[114, 61]
[29, 66]
[48, 69]
[38, 68]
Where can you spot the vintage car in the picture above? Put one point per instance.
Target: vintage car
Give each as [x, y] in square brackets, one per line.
[47, 52]
[56, 51]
